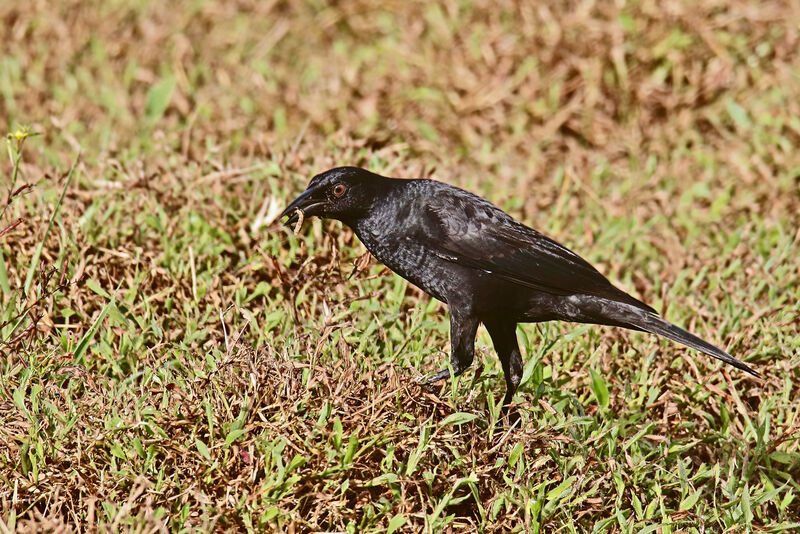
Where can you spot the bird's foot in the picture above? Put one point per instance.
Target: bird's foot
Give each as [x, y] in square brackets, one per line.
[508, 417]
[428, 381]
[441, 375]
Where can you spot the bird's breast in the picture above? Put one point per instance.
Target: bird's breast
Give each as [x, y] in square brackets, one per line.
[409, 259]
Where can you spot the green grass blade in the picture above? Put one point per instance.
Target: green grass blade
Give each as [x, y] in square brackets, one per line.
[35, 259]
[83, 344]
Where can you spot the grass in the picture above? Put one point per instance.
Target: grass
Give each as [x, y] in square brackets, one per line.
[172, 358]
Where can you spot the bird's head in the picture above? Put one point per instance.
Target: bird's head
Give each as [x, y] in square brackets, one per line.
[343, 193]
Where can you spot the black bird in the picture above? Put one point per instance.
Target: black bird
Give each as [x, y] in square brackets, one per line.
[487, 267]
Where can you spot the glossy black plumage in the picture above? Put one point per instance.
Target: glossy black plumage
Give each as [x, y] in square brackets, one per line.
[485, 265]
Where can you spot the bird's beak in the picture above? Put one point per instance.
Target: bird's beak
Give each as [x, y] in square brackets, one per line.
[306, 203]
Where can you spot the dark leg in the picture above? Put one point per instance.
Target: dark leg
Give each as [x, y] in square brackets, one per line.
[462, 339]
[504, 337]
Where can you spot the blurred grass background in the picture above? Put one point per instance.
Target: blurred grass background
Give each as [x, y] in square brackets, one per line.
[175, 360]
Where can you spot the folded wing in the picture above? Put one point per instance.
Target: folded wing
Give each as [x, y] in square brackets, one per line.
[469, 231]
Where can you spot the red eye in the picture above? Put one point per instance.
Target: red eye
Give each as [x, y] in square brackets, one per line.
[339, 190]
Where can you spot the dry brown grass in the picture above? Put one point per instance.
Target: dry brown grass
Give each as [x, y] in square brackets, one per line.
[172, 367]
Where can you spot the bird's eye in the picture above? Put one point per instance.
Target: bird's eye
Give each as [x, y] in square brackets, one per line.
[339, 190]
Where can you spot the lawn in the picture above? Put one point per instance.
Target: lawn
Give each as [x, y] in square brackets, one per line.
[174, 359]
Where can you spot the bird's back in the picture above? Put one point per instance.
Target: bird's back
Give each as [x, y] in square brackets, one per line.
[441, 238]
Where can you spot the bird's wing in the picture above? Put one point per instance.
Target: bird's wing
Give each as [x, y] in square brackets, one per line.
[470, 231]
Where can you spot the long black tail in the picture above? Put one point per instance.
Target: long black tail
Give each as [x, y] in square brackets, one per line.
[629, 316]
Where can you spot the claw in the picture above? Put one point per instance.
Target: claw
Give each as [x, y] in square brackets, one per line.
[441, 375]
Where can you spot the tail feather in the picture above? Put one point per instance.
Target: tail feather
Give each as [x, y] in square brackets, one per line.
[632, 317]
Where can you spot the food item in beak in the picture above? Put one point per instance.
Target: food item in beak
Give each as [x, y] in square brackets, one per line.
[299, 223]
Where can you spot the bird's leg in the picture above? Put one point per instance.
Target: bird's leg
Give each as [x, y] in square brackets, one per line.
[463, 328]
[504, 337]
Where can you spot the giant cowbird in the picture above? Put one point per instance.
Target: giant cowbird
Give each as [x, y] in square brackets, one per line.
[487, 267]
